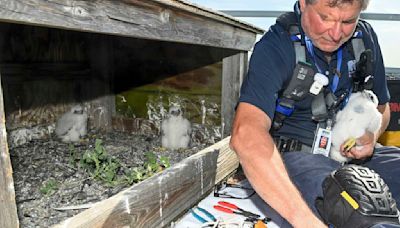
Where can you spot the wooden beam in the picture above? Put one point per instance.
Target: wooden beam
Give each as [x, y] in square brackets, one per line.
[234, 69]
[8, 207]
[102, 107]
[159, 200]
[132, 18]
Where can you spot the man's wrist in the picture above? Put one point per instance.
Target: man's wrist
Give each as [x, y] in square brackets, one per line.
[309, 223]
[306, 219]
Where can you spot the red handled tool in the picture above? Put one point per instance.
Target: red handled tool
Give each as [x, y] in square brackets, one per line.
[233, 209]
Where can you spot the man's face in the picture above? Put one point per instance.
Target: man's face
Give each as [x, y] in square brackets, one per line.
[329, 27]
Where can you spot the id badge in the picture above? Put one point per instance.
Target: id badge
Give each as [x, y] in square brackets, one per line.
[322, 142]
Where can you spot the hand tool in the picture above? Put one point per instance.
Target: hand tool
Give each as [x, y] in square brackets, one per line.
[233, 209]
[260, 224]
[205, 212]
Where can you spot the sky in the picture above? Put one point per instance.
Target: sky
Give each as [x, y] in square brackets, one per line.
[388, 31]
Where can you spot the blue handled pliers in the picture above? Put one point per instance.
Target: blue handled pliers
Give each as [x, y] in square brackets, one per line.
[205, 212]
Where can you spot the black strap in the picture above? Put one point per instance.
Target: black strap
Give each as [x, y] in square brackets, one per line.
[289, 21]
[320, 105]
[285, 144]
[298, 89]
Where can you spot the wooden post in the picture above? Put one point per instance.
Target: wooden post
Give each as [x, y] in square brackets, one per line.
[8, 207]
[102, 108]
[234, 69]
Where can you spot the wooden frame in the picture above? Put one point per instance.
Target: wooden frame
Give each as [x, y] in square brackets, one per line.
[175, 21]
[166, 20]
[8, 207]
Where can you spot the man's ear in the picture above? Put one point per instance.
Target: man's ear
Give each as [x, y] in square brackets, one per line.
[302, 5]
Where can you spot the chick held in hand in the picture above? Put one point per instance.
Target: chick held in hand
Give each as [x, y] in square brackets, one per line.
[175, 129]
[72, 125]
[353, 121]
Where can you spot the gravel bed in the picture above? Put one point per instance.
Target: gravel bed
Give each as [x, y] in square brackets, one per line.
[39, 161]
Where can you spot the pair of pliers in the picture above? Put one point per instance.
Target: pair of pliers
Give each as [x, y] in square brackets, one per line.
[205, 212]
[233, 209]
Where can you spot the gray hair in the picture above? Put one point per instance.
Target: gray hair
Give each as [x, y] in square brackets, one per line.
[333, 3]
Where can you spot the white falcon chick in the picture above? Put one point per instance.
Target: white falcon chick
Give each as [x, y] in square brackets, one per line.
[175, 129]
[72, 125]
[358, 116]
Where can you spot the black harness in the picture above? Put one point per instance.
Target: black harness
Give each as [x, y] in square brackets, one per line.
[325, 103]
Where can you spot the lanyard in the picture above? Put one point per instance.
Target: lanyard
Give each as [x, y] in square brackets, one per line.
[310, 48]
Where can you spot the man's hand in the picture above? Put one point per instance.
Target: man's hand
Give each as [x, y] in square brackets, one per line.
[364, 147]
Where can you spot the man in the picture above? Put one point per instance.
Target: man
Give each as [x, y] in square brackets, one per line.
[323, 143]
[290, 182]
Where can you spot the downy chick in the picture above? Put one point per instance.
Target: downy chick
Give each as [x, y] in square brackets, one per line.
[72, 125]
[358, 116]
[175, 129]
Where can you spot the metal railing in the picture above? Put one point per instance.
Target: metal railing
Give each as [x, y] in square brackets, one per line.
[266, 13]
[393, 73]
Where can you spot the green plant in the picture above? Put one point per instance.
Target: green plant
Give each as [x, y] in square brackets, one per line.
[49, 187]
[164, 161]
[149, 168]
[134, 175]
[101, 166]
[150, 164]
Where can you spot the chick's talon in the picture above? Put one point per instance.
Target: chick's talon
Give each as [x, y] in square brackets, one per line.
[349, 143]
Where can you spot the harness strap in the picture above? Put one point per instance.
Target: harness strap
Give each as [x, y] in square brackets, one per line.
[298, 89]
[284, 144]
[289, 22]
[358, 45]
[318, 108]
[300, 52]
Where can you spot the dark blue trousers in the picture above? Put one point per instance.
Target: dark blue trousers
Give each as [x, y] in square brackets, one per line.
[308, 171]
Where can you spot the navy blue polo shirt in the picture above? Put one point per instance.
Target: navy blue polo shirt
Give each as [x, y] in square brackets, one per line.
[271, 67]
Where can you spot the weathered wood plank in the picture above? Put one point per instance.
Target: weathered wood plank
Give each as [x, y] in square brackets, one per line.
[207, 12]
[160, 199]
[234, 69]
[133, 18]
[8, 208]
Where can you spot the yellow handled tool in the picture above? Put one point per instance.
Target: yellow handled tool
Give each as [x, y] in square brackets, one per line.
[349, 143]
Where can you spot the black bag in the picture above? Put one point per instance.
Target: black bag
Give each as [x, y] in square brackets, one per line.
[356, 197]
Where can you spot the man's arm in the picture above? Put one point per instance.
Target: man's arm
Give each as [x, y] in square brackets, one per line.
[385, 110]
[264, 167]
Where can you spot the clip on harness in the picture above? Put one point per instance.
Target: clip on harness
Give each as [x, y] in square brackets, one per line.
[325, 104]
[299, 85]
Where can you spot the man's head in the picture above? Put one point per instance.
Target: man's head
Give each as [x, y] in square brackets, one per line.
[330, 23]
